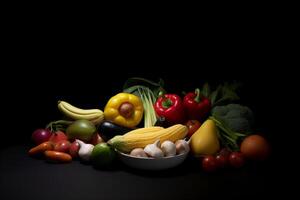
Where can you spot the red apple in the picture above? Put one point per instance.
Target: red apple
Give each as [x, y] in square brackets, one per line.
[62, 146]
[58, 136]
[74, 148]
[96, 139]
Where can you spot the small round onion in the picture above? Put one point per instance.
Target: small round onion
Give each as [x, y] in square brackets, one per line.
[41, 135]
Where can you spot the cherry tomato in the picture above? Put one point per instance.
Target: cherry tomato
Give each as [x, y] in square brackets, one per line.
[222, 160]
[236, 159]
[74, 148]
[209, 164]
[225, 152]
[62, 146]
[193, 126]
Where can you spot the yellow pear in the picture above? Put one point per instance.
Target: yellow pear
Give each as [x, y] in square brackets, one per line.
[205, 140]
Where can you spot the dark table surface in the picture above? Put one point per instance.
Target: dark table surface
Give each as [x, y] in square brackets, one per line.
[23, 177]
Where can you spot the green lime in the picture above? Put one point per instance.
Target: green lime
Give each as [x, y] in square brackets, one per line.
[102, 155]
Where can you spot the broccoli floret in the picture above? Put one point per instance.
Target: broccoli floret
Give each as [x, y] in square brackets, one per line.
[238, 118]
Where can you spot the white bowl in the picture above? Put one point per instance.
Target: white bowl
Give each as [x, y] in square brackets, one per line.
[152, 163]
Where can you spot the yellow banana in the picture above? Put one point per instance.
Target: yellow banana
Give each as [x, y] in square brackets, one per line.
[79, 111]
[98, 120]
[94, 115]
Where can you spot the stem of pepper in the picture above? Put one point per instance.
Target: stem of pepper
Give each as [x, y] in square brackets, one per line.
[161, 93]
[166, 103]
[58, 125]
[198, 96]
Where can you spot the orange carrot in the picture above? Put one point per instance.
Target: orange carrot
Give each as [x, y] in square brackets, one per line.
[41, 148]
[58, 156]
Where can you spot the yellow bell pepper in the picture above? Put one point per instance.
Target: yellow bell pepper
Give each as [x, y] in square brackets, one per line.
[124, 109]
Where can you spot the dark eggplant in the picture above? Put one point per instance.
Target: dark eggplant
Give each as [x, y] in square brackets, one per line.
[161, 121]
[108, 130]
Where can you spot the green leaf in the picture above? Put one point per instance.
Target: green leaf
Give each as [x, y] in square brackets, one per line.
[136, 82]
[135, 90]
[225, 94]
[215, 95]
[206, 90]
[161, 82]
[228, 96]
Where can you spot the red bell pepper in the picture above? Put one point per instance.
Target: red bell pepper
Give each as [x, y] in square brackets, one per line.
[196, 105]
[171, 108]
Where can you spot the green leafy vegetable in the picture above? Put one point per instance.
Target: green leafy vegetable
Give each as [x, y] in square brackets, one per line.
[237, 117]
[234, 122]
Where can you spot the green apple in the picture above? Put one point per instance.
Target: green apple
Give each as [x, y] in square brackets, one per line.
[81, 129]
[102, 155]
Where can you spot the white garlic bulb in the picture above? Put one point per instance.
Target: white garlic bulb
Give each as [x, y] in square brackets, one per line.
[168, 148]
[153, 150]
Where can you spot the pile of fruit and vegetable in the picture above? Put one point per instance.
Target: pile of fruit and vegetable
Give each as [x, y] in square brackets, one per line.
[144, 121]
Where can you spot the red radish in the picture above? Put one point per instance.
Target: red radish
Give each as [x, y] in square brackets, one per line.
[74, 148]
[62, 146]
[41, 135]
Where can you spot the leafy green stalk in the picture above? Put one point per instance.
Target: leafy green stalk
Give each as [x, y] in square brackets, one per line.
[227, 137]
[146, 96]
[148, 91]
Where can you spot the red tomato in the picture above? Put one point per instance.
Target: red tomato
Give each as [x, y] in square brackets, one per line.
[209, 164]
[236, 159]
[222, 160]
[255, 147]
[193, 126]
[58, 136]
[74, 148]
[62, 146]
[96, 139]
[225, 152]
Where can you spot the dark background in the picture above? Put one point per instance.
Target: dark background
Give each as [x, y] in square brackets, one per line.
[59, 62]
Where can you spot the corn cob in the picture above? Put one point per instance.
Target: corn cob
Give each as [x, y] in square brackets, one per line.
[141, 137]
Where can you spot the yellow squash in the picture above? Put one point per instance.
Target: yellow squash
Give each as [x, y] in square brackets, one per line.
[141, 137]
